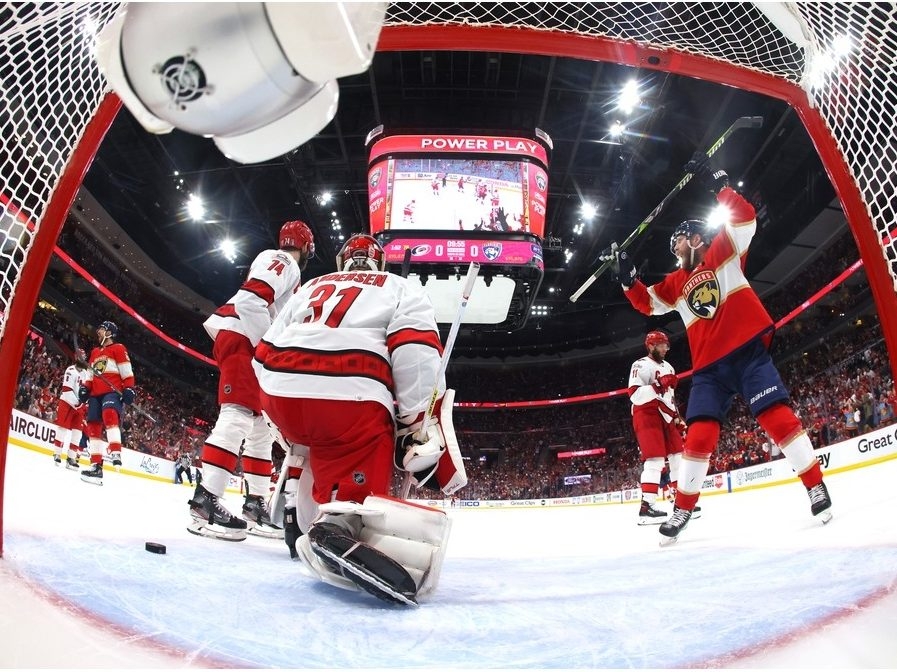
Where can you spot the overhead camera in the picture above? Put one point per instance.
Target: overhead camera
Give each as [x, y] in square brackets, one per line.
[257, 77]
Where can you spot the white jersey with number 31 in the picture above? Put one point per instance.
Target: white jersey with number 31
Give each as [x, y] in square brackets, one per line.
[354, 335]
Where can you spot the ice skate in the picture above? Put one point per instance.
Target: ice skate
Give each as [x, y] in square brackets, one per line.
[650, 515]
[255, 513]
[56, 459]
[72, 463]
[674, 526]
[211, 519]
[94, 475]
[820, 502]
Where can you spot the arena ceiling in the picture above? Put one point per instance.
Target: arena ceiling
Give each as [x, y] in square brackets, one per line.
[142, 179]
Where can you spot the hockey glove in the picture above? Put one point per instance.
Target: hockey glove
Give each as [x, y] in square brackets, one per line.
[715, 179]
[83, 394]
[436, 462]
[669, 381]
[128, 395]
[621, 265]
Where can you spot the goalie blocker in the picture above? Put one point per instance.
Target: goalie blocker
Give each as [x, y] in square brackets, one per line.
[435, 463]
[387, 547]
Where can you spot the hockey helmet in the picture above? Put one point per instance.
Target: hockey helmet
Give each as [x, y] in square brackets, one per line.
[656, 338]
[296, 234]
[363, 253]
[689, 228]
[110, 327]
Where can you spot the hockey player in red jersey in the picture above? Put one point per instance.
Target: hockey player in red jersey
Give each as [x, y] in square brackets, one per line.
[352, 354]
[729, 332]
[70, 411]
[655, 421]
[109, 384]
[236, 327]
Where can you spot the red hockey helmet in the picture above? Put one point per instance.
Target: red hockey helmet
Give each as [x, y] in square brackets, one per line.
[362, 253]
[296, 234]
[655, 338]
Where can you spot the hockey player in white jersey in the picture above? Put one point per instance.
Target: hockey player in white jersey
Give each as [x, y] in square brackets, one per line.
[70, 411]
[237, 327]
[655, 421]
[352, 355]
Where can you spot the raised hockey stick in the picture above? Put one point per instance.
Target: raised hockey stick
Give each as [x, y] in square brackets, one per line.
[741, 122]
[469, 281]
[99, 375]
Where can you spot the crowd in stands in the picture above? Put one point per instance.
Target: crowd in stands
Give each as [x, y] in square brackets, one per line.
[841, 386]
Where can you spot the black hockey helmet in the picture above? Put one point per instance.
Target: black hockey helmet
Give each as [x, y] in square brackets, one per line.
[110, 327]
[689, 228]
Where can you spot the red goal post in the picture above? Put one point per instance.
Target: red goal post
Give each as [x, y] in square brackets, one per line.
[830, 61]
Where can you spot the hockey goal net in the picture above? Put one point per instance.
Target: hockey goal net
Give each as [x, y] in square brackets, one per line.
[832, 62]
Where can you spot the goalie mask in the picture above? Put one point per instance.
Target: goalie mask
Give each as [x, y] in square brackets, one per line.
[361, 253]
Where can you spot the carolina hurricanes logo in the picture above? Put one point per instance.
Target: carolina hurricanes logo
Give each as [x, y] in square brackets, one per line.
[375, 178]
[702, 294]
[420, 250]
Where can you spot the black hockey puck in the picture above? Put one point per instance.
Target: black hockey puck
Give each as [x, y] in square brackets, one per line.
[153, 547]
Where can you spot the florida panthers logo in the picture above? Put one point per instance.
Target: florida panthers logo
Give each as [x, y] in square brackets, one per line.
[99, 366]
[375, 178]
[491, 251]
[540, 181]
[702, 294]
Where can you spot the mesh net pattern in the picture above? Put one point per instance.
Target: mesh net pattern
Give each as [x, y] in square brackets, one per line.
[855, 89]
[50, 88]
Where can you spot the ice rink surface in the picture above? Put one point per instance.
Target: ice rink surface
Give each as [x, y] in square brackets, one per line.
[756, 582]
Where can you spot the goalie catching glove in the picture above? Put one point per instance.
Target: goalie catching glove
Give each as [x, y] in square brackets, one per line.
[386, 547]
[434, 460]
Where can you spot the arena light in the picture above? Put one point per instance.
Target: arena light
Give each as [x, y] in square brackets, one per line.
[616, 130]
[228, 248]
[588, 211]
[719, 216]
[629, 97]
[195, 208]
[325, 197]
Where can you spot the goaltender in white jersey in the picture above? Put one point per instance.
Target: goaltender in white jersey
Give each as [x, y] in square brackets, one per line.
[352, 354]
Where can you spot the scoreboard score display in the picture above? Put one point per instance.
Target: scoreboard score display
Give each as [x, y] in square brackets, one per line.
[452, 199]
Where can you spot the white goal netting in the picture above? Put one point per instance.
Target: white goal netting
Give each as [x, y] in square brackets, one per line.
[840, 54]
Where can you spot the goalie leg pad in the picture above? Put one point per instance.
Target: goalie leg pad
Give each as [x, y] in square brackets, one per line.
[371, 570]
[415, 536]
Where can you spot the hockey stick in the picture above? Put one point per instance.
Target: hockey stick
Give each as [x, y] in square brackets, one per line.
[741, 122]
[99, 375]
[422, 435]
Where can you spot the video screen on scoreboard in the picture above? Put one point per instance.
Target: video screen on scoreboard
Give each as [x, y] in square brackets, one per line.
[452, 191]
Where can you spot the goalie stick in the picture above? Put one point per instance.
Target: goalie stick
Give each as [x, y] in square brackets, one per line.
[469, 281]
[99, 375]
[741, 122]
